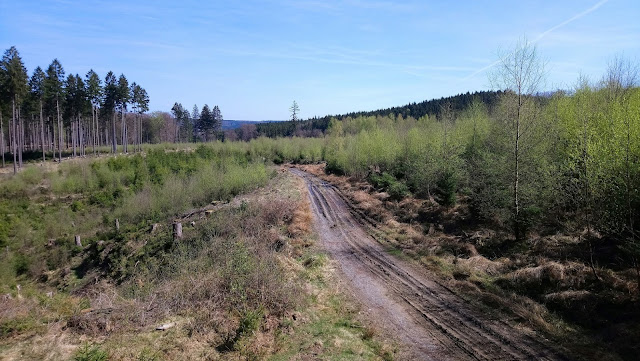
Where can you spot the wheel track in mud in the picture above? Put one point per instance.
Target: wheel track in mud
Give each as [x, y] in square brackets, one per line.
[432, 320]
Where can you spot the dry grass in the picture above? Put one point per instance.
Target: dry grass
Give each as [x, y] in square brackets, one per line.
[544, 284]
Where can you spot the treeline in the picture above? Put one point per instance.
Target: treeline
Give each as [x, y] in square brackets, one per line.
[568, 162]
[197, 125]
[315, 127]
[49, 112]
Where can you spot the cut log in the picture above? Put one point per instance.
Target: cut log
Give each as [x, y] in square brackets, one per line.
[166, 326]
[155, 227]
[78, 242]
[117, 224]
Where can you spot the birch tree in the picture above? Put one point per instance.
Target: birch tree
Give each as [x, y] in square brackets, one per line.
[520, 73]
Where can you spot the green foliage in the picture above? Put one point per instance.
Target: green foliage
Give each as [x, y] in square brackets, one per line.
[89, 352]
[21, 264]
[447, 187]
[579, 157]
[397, 190]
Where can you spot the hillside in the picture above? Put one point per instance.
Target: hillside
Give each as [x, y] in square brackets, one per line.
[317, 126]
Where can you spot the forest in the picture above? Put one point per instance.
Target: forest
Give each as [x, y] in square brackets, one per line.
[516, 194]
[49, 114]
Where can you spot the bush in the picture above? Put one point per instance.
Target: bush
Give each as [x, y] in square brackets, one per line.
[20, 264]
[397, 190]
[90, 353]
[447, 187]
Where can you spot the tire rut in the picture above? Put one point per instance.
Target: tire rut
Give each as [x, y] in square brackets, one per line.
[429, 318]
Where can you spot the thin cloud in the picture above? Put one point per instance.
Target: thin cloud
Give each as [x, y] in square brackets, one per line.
[574, 18]
[543, 34]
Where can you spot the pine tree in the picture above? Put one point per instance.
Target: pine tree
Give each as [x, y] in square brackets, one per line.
[178, 114]
[294, 109]
[216, 124]
[122, 101]
[109, 102]
[15, 89]
[206, 121]
[94, 94]
[36, 83]
[195, 117]
[140, 103]
[54, 96]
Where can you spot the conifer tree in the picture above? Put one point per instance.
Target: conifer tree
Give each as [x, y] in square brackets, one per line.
[122, 101]
[109, 102]
[14, 83]
[205, 125]
[94, 94]
[294, 109]
[54, 96]
[36, 83]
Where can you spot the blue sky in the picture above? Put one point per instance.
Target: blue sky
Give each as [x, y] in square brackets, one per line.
[253, 58]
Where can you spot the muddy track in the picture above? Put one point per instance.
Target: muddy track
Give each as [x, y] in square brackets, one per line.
[432, 321]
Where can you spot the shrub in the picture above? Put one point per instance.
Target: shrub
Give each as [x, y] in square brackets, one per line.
[397, 190]
[20, 264]
[90, 353]
[447, 187]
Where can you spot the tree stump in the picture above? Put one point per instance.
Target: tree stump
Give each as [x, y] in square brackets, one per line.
[177, 231]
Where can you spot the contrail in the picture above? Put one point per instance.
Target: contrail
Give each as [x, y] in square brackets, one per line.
[545, 33]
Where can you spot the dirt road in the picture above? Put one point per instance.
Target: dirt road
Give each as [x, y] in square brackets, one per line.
[433, 322]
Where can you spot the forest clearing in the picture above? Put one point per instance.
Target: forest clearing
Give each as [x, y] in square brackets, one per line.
[499, 224]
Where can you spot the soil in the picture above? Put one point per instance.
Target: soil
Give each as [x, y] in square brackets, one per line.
[429, 319]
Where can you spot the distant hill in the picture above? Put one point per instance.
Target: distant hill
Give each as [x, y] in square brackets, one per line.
[234, 124]
[317, 126]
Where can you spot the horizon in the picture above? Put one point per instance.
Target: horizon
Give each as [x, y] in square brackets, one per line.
[253, 59]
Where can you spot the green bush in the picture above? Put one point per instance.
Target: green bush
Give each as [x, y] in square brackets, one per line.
[90, 353]
[21, 264]
[447, 187]
[397, 190]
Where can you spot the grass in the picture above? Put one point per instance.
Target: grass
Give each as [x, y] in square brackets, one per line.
[50, 280]
[230, 285]
[330, 326]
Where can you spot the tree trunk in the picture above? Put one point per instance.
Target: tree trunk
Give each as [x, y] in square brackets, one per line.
[2, 145]
[123, 132]
[516, 180]
[20, 137]
[114, 143]
[73, 137]
[13, 136]
[94, 125]
[60, 129]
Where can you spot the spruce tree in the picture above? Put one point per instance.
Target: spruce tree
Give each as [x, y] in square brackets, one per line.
[109, 102]
[54, 96]
[36, 83]
[94, 94]
[15, 91]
